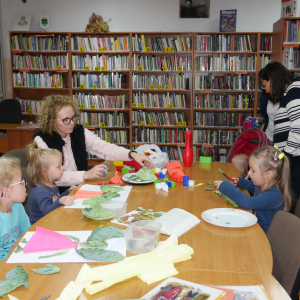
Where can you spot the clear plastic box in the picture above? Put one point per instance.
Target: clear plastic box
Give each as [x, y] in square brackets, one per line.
[117, 208]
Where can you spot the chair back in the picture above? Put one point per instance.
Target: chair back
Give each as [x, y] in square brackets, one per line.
[297, 209]
[284, 238]
[10, 111]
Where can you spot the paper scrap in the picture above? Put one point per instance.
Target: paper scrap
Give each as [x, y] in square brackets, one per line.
[116, 179]
[12, 297]
[80, 279]
[82, 194]
[71, 291]
[175, 170]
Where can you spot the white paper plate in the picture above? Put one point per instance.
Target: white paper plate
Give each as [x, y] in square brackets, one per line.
[229, 217]
[126, 176]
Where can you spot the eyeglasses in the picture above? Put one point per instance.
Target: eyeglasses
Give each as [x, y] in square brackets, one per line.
[23, 182]
[67, 121]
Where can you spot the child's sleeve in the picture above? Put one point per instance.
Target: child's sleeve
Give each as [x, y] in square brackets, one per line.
[46, 204]
[266, 200]
[24, 220]
[247, 185]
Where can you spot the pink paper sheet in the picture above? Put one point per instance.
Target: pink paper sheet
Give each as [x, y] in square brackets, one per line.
[81, 194]
[45, 240]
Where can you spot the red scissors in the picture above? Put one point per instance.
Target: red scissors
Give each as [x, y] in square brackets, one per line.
[235, 180]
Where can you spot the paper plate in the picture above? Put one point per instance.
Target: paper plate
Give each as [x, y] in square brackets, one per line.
[229, 217]
[126, 176]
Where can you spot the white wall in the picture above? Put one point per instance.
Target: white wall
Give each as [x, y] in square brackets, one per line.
[136, 15]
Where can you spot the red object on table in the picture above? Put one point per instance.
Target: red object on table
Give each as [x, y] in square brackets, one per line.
[132, 163]
[188, 151]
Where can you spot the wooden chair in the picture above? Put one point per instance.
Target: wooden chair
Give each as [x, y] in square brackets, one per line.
[284, 238]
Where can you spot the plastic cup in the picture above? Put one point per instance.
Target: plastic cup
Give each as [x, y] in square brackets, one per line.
[117, 208]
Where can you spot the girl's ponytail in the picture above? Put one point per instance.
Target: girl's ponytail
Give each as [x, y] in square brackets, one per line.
[285, 183]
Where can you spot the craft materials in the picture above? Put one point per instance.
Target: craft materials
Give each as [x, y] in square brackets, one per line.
[116, 179]
[157, 170]
[48, 269]
[191, 182]
[198, 184]
[234, 180]
[187, 155]
[205, 160]
[125, 170]
[82, 194]
[161, 175]
[46, 297]
[164, 186]
[158, 186]
[118, 163]
[186, 180]
[164, 171]
[175, 171]
[169, 184]
[156, 181]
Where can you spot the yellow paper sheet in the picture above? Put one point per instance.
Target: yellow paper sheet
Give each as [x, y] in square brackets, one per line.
[71, 291]
[12, 297]
[176, 253]
[81, 279]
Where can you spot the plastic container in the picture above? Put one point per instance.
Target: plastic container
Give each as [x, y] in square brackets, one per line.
[142, 236]
[117, 208]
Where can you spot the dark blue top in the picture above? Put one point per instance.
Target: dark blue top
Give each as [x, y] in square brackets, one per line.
[264, 204]
[43, 200]
[264, 99]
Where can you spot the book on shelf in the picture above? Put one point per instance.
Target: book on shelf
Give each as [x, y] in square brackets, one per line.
[228, 20]
[225, 82]
[142, 117]
[223, 43]
[100, 43]
[176, 221]
[160, 82]
[161, 63]
[225, 62]
[40, 62]
[161, 44]
[216, 154]
[100, 62]
[39, 43]
[150, 100]
[291, 34]
[92, 101]
[291, 58]
[30, 106]
[101, 81]
[226, 119]
[114, 119]
[215, 137]
[112, 136]
[266, 44]
[227, 101]
[40, 80]
[264, 60]
[158, 136]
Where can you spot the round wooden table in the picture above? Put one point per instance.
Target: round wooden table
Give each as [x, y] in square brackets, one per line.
[223, 256]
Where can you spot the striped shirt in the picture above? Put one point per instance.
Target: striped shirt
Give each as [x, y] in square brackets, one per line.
[287, 121]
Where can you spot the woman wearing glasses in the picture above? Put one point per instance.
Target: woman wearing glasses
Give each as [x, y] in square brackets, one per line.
[58, 116]
[284, 92]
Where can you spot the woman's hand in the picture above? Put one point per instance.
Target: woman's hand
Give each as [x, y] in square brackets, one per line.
[67, 200]
[139, 158]
[217, 183]
[95, 172]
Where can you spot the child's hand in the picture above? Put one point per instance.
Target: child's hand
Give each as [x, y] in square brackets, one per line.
[236, 179]
[67, 200]
[72, 188]
[217, 183]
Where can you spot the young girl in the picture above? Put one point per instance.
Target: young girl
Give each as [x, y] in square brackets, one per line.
[269, 172]
[45, 167]
[13, 218]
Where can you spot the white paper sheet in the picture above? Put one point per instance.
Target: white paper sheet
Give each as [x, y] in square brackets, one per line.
[117, 244]
[95, 188]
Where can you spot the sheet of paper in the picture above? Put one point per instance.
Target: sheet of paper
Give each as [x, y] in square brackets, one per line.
[72, 256]
[90, 187]
[257, 290]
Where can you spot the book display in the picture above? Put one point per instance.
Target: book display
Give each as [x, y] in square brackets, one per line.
[136, 88]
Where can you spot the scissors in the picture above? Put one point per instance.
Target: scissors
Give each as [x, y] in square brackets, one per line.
[235, 181]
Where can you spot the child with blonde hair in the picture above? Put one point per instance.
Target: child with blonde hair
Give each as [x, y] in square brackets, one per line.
[241, 161]
[44, 168]
[13, 218]
[270, 185]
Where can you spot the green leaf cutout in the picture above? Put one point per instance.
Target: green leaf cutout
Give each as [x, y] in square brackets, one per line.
[18, 249]
[106, 233]
[95, 244]
[110, 188]
[47, 270]
[73, 238]
[55, 254]
[96, 212]
[99, 254]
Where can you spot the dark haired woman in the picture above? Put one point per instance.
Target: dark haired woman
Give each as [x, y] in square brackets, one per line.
[279, 83]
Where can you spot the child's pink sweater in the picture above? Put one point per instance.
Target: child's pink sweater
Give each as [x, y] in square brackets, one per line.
[95, 146]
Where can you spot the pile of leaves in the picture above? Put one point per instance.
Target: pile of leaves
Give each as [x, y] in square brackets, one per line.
[96, 24]
[143, 174]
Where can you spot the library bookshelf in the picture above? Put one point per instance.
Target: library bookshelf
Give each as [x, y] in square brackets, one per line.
[146, 87]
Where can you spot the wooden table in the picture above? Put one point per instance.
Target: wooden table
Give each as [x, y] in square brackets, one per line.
[16, 137]
[223, 256]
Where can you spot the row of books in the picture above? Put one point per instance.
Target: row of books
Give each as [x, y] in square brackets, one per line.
[91, 101]
[226, 119]
[30, 106]
[101, 81]
[161, 63]
[291, 58]
[216, 154]
[40, 62]
[266, 43]
[217, 101]
[100, 62]
[158, 136]
[100, 44]
[225, 62]
[291, 33]
[223, 43]
[161, 44]
[264, 60]
[158, 100]
[215, 137]
[41, 80]
[114, 119]
[41, 42]
[158, 118]
[112, 136]
[160, 82]
[225, 82]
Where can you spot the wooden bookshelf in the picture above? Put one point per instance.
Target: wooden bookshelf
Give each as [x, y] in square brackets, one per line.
[131, 54]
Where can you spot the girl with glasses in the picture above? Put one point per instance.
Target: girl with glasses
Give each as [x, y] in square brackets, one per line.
[57, 120]
[13, 218]
[44, 168]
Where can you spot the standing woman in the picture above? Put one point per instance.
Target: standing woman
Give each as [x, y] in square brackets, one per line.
[57, 119]
[279, 83]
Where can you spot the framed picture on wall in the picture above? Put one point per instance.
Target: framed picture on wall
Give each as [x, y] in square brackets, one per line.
[22, 23]
[194, 8]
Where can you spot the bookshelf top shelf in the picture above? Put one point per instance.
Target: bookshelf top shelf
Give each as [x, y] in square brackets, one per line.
[39, 52]
[100, 52]
[225, 52]
[162, 53]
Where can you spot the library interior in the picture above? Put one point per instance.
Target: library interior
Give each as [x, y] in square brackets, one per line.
[150, 149]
